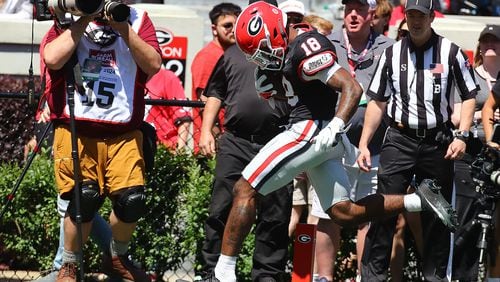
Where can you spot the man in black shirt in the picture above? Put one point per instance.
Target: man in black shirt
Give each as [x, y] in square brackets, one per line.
[249, 122]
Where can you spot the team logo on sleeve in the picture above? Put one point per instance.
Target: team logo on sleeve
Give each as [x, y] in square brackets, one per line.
[255, 25]
[318, 63]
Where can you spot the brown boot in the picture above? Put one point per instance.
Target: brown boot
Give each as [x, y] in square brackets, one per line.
[67, 273]
[121, 266]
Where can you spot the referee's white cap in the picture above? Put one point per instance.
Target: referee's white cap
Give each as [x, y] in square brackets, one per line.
[424, 6]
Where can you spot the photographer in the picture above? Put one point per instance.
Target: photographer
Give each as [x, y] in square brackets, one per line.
[490, 106]
[469, 202]
[108, 107]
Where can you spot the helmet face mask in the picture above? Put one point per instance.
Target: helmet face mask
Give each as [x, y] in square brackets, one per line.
[260, 34]
[266, 57]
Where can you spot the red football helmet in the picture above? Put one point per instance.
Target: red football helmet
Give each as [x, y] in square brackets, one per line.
[260, 34]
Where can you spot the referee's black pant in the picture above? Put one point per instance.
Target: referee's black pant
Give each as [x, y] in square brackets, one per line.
[401, 158]
[273, 212]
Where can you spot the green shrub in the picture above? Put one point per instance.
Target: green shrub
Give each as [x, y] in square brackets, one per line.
[179, 189]
[30, 226]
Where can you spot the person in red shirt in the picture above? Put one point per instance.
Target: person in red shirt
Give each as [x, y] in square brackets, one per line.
[223, 17]
[171, 122]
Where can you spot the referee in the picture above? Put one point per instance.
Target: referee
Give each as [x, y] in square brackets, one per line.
[420, 71]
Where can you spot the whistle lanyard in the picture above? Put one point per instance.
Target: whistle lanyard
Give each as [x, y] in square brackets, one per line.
[350, 60]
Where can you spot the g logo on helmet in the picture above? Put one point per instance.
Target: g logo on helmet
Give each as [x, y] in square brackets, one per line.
[255, 25]
[304, 238]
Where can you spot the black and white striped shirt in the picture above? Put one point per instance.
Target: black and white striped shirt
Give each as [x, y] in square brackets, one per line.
[422, 81]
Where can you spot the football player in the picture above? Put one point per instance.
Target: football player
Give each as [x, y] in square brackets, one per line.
[314, 141]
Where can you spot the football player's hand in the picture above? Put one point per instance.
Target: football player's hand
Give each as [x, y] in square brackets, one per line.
[263, 84]
[328, 135]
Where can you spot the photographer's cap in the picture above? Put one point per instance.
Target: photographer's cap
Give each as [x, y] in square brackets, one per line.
[424, 6]
[491, 29]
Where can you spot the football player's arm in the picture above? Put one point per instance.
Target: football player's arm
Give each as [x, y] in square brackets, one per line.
[351, 93]
[324, 68]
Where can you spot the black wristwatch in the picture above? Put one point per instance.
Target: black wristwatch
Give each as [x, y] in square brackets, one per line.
[461, 135]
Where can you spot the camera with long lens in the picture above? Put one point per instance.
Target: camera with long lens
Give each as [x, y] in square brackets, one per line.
[486, 168]
[48, 9]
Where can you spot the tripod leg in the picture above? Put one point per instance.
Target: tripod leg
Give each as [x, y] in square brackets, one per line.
[29, 161]
[76, 174]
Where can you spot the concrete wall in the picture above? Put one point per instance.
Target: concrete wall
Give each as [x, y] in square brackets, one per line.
[16, 39]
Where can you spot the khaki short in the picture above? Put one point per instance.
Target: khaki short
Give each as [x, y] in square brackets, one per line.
[302, 190]
[114, 163]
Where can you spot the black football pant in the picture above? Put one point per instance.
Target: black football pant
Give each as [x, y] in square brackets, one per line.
[400, 159]
[273, 212]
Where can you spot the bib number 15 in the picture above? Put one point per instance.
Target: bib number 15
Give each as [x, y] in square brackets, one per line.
[102, 96]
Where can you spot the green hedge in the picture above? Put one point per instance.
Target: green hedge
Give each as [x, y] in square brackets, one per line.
[179, 187]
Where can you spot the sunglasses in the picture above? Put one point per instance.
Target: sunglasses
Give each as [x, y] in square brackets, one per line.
[227, 25]
[366, 63]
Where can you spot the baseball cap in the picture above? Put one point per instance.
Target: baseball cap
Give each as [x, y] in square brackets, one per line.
[371, 3]
[272, 2]
[424, 6]
[491, 29]
[292, 6]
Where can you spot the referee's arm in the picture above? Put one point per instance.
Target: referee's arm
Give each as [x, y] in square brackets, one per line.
[456, 149]
[373, 116]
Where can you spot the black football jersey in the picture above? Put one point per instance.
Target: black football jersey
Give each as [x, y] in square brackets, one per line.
[308, 53]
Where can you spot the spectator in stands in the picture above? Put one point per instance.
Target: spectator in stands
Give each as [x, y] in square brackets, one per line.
[16, 9]
[294, 10]
[382, 16]
[357, 46]
[223, 18]
[171, 122]
[322, 25]
[324, 248]
[469, 202]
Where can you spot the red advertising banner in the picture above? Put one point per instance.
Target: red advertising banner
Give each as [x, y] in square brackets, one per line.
[173, 52]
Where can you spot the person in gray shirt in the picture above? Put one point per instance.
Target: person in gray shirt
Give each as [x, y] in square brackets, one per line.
[358, 48]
